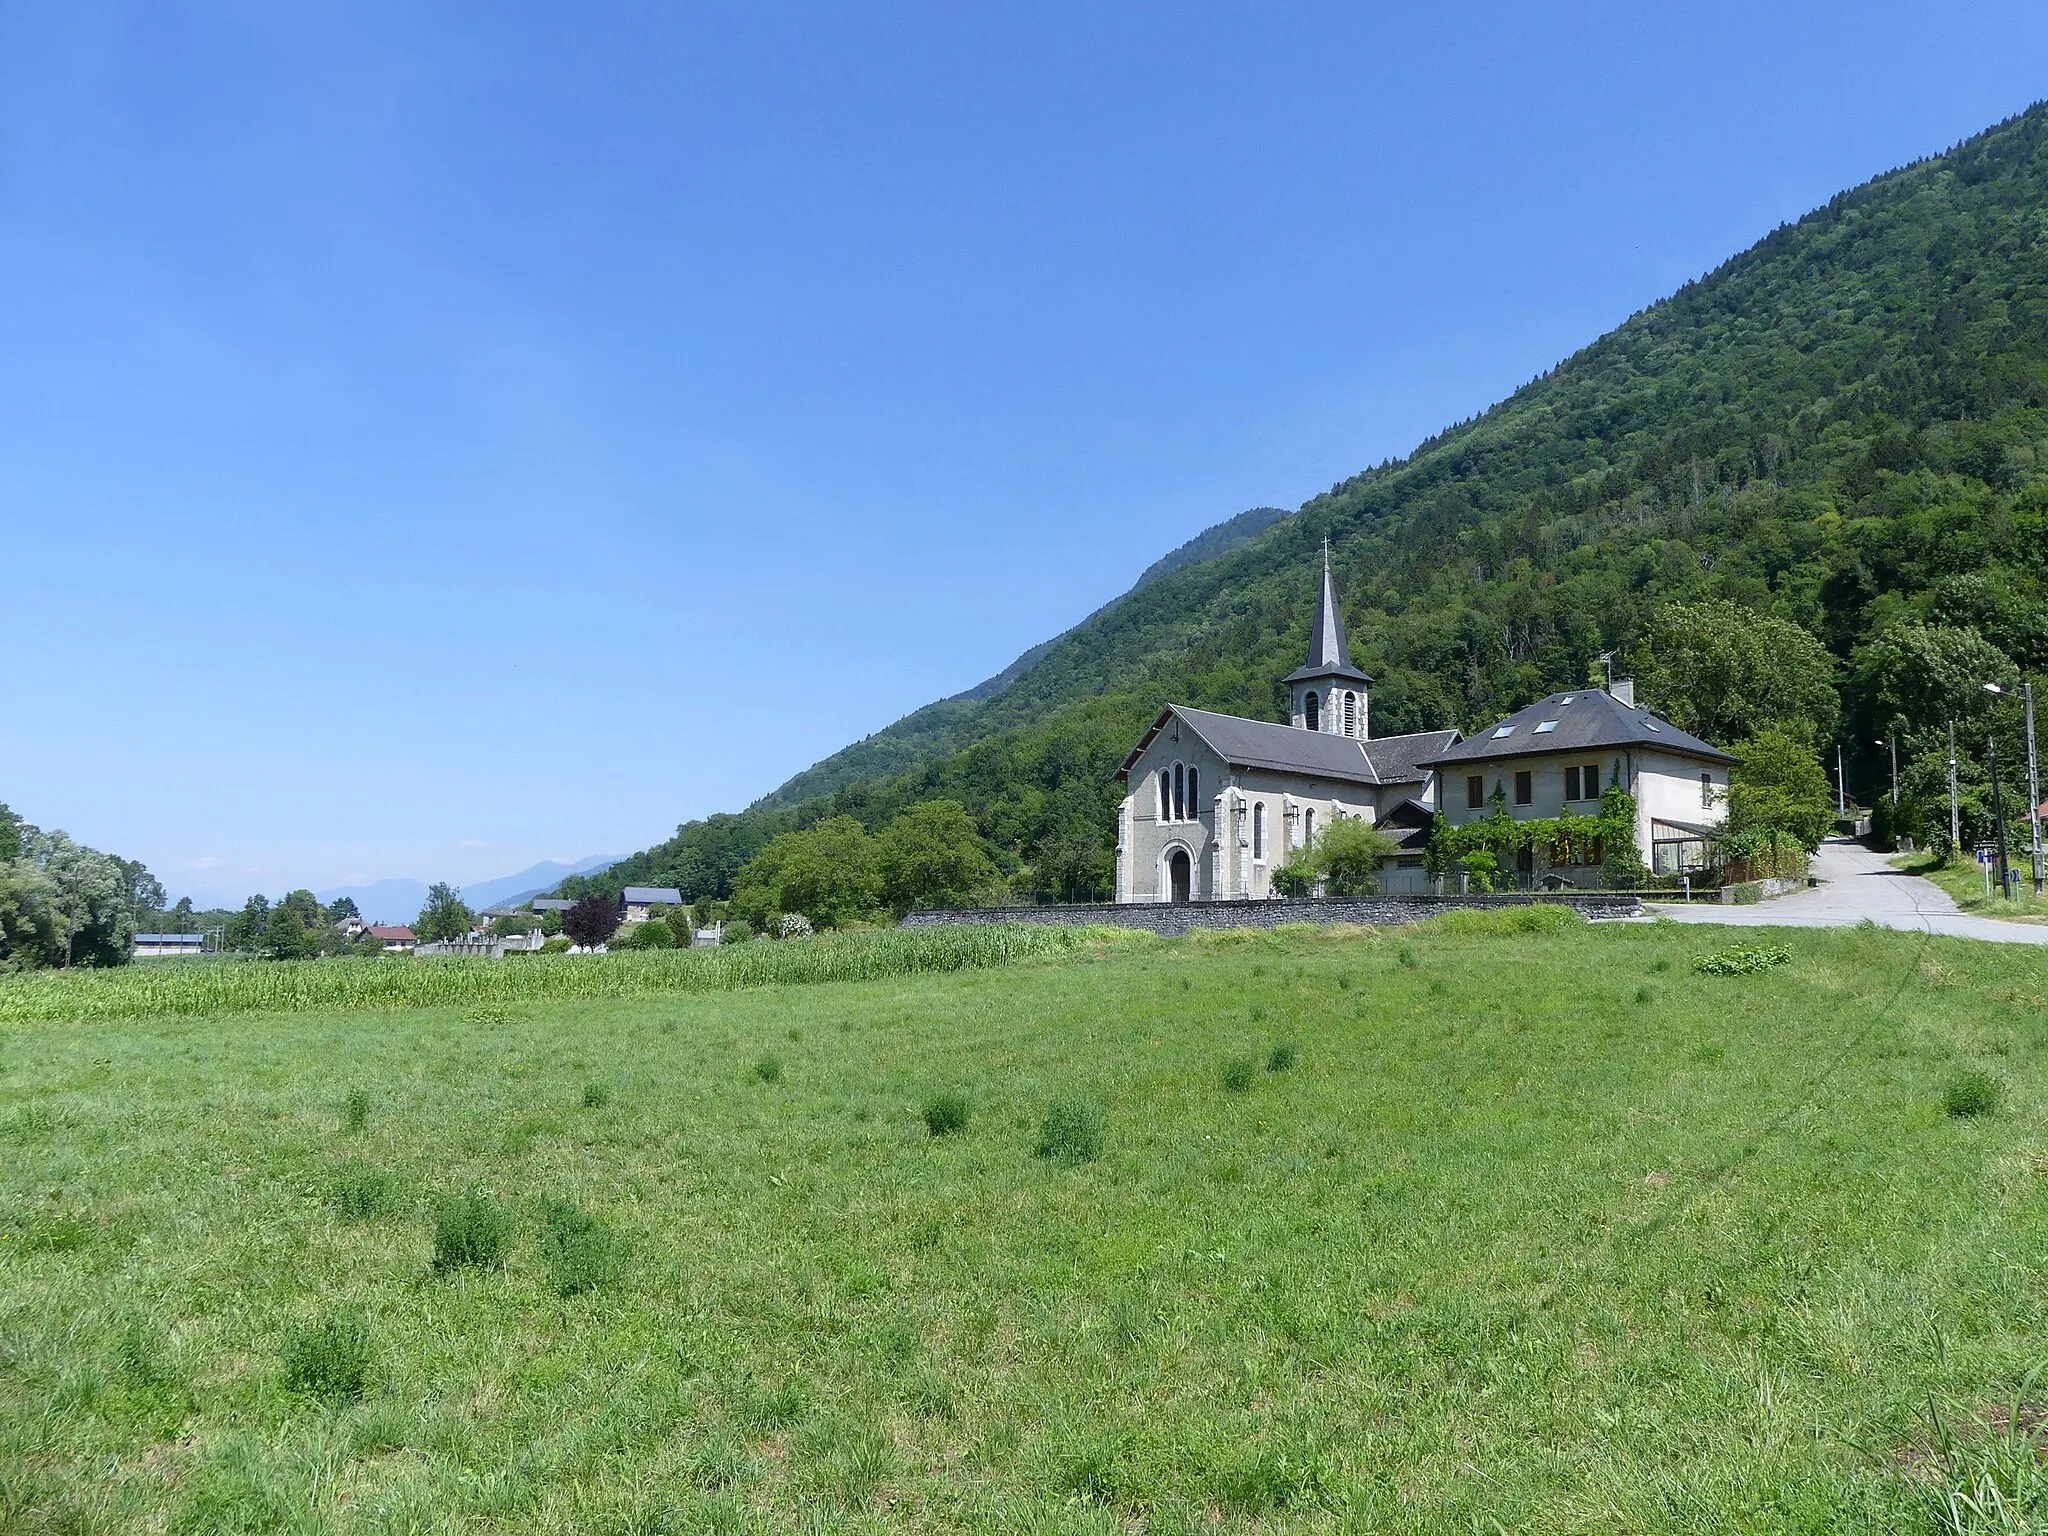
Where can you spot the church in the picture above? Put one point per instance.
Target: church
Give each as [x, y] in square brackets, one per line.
[1268, 787]
[1213, 804]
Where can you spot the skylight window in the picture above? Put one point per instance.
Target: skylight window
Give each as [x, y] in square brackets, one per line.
[1653, 725]
[1567, 698]
[1545, 725]
[1506, 730]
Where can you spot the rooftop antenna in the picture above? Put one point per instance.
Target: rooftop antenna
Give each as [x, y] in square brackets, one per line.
[1606, 660]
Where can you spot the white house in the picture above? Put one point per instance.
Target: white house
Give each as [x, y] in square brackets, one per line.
[640, 900]
[1214, 803]
[1562, 752]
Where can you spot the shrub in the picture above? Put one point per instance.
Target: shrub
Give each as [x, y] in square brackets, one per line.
[1741, 960]
[359, 1192]
[355, 1111]
[1072, 1132]
[329, 1360]
[1238, 1073]
[945, 1114]
[596, 1095]
[737, 930]
[1282, 1057]
[652, 934]
[581, 1252]
[470, 1231]
[555, 946]
[1970, 1094]
[794, 925]
[769, 1068]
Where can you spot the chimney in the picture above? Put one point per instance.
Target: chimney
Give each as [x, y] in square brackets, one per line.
[1624, 690]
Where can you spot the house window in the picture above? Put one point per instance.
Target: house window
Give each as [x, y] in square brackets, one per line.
[1706, 789]
[1582, 783]
[1571, 782]
[1179, 797]
[1475, 792]
[1350, 714]
[1525, 787]
[1194, 795]
[1259, 832]
[1311, 712]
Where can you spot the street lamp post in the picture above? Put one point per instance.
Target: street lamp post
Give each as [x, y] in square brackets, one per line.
[2033, 780]
[1955, 798]
[1893, 743]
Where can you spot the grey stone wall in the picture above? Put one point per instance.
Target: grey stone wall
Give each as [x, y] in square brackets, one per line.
[1378, 911]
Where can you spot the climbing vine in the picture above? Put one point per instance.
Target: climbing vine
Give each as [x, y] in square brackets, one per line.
[1481, 849]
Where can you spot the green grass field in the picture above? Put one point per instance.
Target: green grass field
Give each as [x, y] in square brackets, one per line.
[1451, 1230]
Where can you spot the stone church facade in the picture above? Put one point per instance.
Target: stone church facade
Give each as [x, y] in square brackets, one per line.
[1215, 803]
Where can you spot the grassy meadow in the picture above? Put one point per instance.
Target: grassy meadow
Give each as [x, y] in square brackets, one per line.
[1963, 879]
[1459, 1229]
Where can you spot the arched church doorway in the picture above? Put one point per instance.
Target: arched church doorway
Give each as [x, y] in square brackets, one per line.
[1180, 874]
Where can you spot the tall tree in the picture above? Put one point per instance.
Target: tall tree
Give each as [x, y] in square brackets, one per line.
[444, 918]
[931, 855]
[592, 921]
[1780, 790]
[1724, 672]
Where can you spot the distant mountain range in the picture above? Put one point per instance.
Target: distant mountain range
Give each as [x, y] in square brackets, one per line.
[399, 901]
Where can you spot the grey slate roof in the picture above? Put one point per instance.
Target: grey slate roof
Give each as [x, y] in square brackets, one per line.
[648, 895]
[1261, 744]
[1588, 719]
[551, 904]
[1328, 654]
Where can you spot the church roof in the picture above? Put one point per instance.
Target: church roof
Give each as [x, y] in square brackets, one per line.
[1328, 654]
[1319, 754]
[1585, 719]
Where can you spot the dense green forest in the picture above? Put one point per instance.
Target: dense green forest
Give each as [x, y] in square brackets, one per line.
[1844, 427]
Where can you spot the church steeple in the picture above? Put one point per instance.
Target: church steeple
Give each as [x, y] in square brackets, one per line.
[1329, 693]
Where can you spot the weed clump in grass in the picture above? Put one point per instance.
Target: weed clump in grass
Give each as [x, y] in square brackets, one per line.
[1741, 960]
[1661, 964]
[330, 1360]
[355, 1111]
[1645, 994]
[1238, 1073]
[1438, 987]
[1409, 959]
[769, 1068]
[1282, 1057]
[358, 1191]
[581, 1252]
[470, 1232]
[1970, 1094]
[1072, 1132]
[945, 1114]
[596, 1095]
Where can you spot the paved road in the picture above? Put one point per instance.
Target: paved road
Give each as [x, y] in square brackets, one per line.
[1855, 884]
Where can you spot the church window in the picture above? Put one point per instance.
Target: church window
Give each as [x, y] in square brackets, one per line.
[1259, 831]
[1194, 794]
[1166, 794]
[1350, 714]
[1308, 827]
[1310, 710]
[1179, 795]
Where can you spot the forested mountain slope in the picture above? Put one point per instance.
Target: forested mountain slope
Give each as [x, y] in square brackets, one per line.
[1845, 426]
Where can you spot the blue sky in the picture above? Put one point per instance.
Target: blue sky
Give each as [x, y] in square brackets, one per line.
[439, 437]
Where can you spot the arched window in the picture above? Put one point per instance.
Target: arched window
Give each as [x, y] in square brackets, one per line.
[1308, 827]
[1350, 714]
[1166, 794]
[1194, 795]
[1180, 804]
[1259, 830]
[1311, 712]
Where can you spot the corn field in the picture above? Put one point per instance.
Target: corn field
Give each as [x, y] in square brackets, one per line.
[178, 987]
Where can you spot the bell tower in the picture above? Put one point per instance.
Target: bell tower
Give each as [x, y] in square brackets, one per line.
[1329, 693]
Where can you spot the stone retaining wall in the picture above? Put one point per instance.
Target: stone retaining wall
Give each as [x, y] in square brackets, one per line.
[1376, 911]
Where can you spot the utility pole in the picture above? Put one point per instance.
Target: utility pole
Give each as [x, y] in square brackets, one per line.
[1841, 784]
[1893, 743]
[2033, 786]
[1998, 815]
[1955, 798]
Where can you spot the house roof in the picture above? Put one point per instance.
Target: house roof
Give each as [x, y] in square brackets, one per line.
[551, 904]
[1588, 719]
[648, 895]
[395, 935]
[170, 938]
[1328, 654]
[1262, 744]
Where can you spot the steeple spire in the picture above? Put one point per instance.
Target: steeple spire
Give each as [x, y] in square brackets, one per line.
[1329, 693]
[1326, 646]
